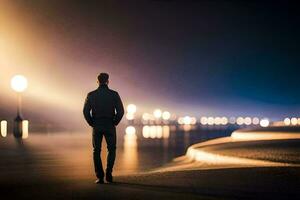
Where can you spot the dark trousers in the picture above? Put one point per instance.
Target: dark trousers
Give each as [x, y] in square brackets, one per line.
[110, 137]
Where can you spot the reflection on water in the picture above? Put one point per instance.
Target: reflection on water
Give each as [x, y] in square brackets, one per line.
[3, 125]
[139, 148]
[156, 132]
[25, 127]
[130, 154]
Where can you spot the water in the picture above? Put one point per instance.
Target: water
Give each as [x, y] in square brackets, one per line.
[69, 155]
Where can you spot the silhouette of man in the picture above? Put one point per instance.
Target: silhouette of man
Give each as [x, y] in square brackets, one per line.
[103, 110]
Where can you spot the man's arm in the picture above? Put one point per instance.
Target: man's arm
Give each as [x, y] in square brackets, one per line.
[119, 110]
[87, 111]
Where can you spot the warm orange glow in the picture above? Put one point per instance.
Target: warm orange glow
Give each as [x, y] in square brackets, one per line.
[187, 127]
[197, 154]
[166, 131]
[130, 148]
[263, 135]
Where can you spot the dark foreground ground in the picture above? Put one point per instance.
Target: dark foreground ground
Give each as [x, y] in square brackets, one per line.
[230, 183]
[29, 171]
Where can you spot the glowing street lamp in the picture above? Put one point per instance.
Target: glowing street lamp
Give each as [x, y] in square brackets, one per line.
[18, 84]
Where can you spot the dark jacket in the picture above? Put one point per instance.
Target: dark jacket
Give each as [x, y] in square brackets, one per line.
[103, 107]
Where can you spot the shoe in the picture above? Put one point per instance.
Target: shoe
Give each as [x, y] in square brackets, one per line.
[109, 177]
[99, 181]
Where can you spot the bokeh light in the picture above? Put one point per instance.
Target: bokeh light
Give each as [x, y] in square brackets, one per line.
[264, 122]
[287, 121]
[166, 115]
[3, 125]
[240, 121]
[25, 129]
[203, 120]
[131, 108]
[157, 113]
[19, 83]
[130, 130]
[294, 121]
[129, 116]
[248, 121]
[255, 120]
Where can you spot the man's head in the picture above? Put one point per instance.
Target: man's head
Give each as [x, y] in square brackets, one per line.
[103, 78]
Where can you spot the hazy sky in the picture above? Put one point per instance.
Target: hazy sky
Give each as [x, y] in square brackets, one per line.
[194, 58]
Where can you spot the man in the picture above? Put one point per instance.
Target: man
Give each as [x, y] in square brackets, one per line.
[103, 110]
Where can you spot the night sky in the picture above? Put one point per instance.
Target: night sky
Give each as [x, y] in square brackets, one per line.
[194, 58]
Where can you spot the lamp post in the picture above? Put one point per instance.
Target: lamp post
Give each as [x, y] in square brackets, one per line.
[19, 85]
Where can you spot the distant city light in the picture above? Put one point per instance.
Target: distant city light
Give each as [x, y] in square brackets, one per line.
[247, 121]
[146, 116]
[193, 120]
[180, 120]
[240, 121]
[129, 116]
[294, 121]
[3, 125]
[166, 115]
[232, 120]
[25, 129]
[187, 120]
[255, 120]
[224, 120]
[157, 113]
[217, 121]
[264, 122]
[210, 121]
[131, 108]
[19, 83]
[287, 121]
[203, 120]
